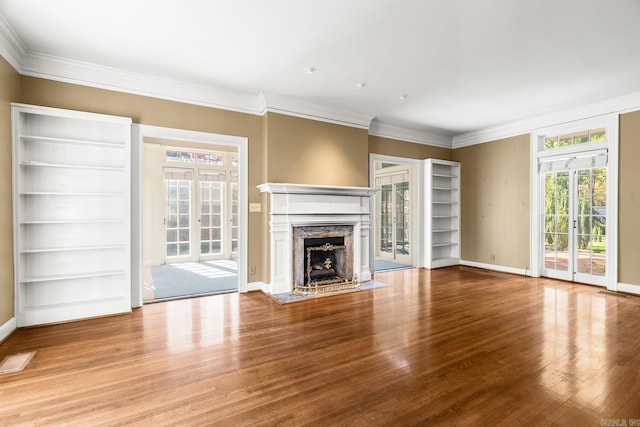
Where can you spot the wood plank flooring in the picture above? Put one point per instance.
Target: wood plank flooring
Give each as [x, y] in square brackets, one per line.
[454, 346]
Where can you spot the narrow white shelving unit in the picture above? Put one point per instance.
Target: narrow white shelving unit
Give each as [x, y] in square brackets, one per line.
[442, 211]
[71, 210]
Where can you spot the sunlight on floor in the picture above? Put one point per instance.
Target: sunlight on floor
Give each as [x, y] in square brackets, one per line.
[190, 278]
[211, 270]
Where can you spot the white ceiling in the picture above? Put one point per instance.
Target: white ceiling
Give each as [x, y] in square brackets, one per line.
[465, 65]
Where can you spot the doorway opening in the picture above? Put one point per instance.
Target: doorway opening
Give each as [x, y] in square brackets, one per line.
[191, 218]
[574, 227]
[396, 206]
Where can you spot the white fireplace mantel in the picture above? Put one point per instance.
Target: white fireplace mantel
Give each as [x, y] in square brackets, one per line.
[280, 188]
[293, 205]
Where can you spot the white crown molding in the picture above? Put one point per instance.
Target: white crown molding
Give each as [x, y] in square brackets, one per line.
[69, 71]
[286, 188]
[292, 107]
[619, 104]
[11, 47]
[409, 135]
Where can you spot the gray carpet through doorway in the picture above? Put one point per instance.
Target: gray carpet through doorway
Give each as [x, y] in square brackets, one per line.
[381, 264]
[194, 278]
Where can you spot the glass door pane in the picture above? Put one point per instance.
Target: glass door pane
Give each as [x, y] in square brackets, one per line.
[211, 211]
[403, 216]
[556, 221]
[395, 220]
[178, 218]
[591, 238]
[386, 219]
[233, 187]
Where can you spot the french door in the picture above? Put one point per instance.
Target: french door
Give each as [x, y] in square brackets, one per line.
[575, 225]
[201, 216]
[395, 221]
[574, 204]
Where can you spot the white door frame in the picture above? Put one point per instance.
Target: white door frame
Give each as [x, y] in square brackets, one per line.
[390, 172]
[139, 132]
[610, 122]
[417, 204]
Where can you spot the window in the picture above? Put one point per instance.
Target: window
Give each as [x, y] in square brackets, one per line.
[575, 138]
[208, 158]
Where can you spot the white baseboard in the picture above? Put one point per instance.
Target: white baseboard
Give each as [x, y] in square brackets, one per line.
[7, 328]
[257, 286]
[500, 268]
[622, 287]
[626, 287]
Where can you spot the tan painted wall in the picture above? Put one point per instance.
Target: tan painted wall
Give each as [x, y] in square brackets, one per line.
[158, 112]
[495, 219]
[304, 151]
[495, 175]
[9, 92]
[495, 202]
[393, 147]
[281, 148]
[629, 200]
[153, 204]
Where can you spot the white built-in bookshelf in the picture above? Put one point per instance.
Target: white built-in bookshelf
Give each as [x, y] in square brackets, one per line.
[71, 210]
[442, 213]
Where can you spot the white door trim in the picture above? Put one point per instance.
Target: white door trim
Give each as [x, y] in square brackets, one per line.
[611, 123]
[241, 143]
[417, 196]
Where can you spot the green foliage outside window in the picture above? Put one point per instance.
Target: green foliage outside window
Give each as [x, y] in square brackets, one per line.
[582, 137]
[591, 214]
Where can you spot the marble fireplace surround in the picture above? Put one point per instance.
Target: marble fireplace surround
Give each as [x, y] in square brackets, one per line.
[298, 205]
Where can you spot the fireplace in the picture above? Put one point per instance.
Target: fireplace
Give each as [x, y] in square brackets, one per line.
[326, 223]
[323, 258]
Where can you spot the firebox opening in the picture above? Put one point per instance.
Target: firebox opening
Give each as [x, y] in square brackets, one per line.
[324, 259]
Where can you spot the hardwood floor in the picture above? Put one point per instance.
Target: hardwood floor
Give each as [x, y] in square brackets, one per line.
[454, 346]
